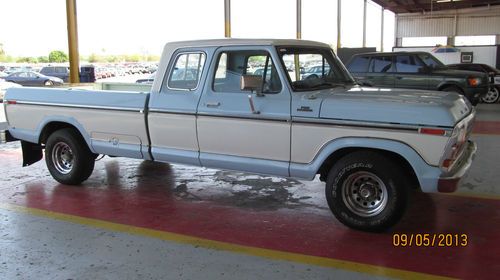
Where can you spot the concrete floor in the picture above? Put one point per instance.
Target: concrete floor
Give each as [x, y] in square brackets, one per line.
[140, 220]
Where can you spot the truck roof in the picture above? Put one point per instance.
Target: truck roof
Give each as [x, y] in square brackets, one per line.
[244, 42]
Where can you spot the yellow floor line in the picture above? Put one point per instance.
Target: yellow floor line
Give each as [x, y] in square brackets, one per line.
[217, 245]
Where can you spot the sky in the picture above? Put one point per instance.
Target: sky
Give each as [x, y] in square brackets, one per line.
[35, 27]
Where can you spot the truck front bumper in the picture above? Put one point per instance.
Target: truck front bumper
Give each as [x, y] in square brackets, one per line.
[449, 182]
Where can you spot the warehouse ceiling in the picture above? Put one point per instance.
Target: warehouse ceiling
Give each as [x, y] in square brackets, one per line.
[419, 6]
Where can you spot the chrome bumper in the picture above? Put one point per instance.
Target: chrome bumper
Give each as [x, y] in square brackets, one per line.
[449, 182]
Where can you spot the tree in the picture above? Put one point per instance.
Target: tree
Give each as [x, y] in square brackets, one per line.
[27, 59]
[58, 56]
[43, 59]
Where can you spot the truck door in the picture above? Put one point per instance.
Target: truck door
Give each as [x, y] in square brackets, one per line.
[245, 130]
[172, 110]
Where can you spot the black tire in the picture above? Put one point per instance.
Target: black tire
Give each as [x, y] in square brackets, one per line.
[492, 96]
[382, 192]
[68, 157]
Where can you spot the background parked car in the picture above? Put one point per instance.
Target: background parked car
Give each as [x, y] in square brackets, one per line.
[149, 80]
[494, 93]
[61, 72]
[30, 78]
[417, 70]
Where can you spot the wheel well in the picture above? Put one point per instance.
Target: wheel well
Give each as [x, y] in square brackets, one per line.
[409, 173]
[445, 86]
[51, 128]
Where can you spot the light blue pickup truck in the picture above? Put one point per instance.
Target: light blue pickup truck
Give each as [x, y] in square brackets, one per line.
[207, 108]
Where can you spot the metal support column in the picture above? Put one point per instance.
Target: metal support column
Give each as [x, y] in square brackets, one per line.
[227, 18]
[382, 31]
[364, 24]
[299, 19]
[74, 59]
[339, 19]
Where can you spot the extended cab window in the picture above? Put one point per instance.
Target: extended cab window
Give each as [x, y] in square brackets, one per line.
[186, 72]
[408, 64]
[381, 64]
[232, 65]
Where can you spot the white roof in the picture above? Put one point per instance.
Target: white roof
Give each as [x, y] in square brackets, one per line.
[245, 42]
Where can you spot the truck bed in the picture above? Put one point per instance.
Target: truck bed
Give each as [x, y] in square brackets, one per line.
[112, 122]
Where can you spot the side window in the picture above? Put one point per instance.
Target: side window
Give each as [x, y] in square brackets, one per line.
[185, 75]
[408, 64]
[381, 64]
[359, 64]
[232, 65]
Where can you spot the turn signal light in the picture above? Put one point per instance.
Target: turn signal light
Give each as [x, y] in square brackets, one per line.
[432, 131]
[474, 82]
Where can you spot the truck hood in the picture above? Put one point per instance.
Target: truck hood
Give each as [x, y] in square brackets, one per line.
[448, 72]
[395, 106]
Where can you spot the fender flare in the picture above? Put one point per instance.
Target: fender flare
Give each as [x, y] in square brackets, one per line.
[427, 174]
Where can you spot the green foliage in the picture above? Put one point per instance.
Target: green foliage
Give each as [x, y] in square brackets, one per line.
[43, 59]
[26, 59]
[58, 56]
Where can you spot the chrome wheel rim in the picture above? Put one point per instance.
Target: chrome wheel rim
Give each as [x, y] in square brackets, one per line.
[491, 96]
[364, 194]
[62, 157]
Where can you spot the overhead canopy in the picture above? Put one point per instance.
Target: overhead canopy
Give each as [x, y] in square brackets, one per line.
[418, 6]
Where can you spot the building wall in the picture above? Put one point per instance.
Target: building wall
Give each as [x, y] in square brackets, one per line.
[464, 22]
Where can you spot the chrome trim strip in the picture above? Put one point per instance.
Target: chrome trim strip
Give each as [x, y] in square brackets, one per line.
[255, 117]
[362, 124]
[172, 112]
[138, 110]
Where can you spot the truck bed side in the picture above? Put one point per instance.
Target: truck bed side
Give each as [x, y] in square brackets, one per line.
[111, 122]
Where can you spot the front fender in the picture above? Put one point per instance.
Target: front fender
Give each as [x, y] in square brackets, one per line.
[427, 175]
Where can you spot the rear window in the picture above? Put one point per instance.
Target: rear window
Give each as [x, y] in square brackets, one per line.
[381, 64]
[47, 70]
[359, 64]
[186, 72]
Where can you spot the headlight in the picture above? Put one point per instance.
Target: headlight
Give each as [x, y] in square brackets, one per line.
[474, 81]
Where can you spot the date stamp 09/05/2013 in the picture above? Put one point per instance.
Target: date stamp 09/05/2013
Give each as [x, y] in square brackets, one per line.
[430, 240]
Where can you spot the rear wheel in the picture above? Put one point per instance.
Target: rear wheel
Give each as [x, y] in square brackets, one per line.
[492, 96]
[68, 158]
[365, 191]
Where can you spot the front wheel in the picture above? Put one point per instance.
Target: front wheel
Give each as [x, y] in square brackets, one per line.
[48, 83]
[492, 96]
[68, 158]
[365, 191]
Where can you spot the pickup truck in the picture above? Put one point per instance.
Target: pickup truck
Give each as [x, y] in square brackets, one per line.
[371, 146]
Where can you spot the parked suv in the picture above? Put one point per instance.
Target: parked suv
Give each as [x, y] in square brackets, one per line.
[494, 93]
[61, 72]
[417, 70]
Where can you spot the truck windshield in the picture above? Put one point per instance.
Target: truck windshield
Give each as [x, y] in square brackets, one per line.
[313, 68]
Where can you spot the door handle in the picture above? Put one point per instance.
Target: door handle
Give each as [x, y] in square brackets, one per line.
[213, 104]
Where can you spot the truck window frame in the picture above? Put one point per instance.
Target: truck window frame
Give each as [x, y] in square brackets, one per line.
[172, 66]
[269, 55]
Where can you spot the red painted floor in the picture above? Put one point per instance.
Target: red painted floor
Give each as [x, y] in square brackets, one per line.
[487, 127]
[151, 204]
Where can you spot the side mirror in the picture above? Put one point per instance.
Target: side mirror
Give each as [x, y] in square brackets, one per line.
[251, 83]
